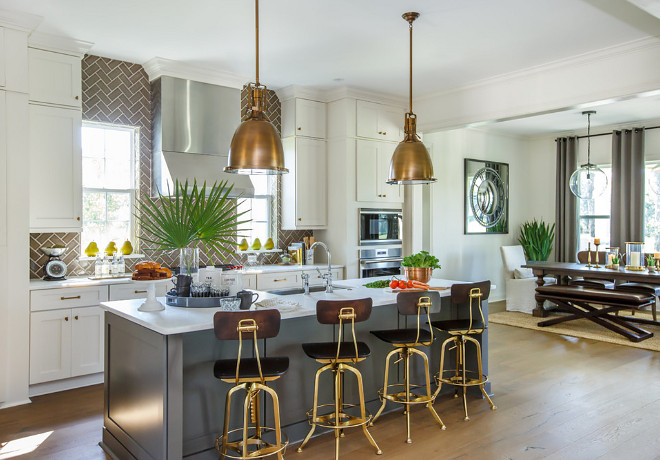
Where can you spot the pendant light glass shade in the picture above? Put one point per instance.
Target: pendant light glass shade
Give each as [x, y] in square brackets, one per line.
[256, 147]
[589, 181]
[411, 162]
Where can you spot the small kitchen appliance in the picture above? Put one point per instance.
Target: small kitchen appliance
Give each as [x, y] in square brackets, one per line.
[55, 268]
[380, 226]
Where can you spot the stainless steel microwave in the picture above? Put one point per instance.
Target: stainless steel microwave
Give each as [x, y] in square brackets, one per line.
[380, 226]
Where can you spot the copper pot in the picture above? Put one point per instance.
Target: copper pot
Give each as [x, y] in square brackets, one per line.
[421, 274]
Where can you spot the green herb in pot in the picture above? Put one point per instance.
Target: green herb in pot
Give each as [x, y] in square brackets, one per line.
[421, 260]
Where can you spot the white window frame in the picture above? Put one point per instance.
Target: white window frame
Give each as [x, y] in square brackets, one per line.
[595, 217]
[134, 171]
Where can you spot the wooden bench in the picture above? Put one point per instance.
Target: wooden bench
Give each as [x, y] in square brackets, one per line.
[599, 306]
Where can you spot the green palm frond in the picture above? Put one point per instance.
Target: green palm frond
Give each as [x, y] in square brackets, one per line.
[192, 216]
[536, 238]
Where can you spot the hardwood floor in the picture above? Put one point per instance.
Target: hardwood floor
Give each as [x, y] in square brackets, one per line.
[557, 398]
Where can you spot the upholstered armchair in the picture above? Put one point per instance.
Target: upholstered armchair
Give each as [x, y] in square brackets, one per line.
[520, 282]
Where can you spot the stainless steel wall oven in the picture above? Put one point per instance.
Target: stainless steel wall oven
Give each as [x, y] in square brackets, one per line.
[380, 226]
[380, 262]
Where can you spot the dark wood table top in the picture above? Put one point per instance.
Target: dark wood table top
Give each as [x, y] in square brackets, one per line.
[569, 268]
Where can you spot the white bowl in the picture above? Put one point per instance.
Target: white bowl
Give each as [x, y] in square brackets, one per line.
[53, 252]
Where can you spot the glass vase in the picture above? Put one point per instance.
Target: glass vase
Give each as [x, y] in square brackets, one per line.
[189, 263]
[634, 256]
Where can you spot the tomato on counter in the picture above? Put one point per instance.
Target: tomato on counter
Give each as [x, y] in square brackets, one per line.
[402, 284]
[394, 284]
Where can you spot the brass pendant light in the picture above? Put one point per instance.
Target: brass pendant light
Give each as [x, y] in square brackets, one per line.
[256, 147]
[411, 162]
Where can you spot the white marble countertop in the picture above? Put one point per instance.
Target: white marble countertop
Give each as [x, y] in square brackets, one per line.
[177, 320]
[83, 281]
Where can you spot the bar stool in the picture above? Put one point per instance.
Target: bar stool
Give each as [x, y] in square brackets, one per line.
[339, 357]
[406, 342]
[461, 331]
[251, 375]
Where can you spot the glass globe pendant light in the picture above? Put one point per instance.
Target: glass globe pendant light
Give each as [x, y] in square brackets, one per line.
[589, 181]
[411, 162]
[256, 147]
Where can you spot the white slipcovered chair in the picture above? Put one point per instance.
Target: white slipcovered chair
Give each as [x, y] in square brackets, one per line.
[520, 282]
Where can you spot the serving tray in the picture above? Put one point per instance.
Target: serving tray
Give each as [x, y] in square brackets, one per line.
[195, 302]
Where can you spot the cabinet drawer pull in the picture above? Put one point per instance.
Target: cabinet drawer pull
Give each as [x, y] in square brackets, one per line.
[299, 128]
[140, 292]
[277, 281]
[384, 196]
[66, 318]
[384, 133]
[70, 298]
[76, 317]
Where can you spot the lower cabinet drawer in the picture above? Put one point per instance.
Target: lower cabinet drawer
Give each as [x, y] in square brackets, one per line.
[55, 299]
[136, 291]
[266, 281]
[249, 281]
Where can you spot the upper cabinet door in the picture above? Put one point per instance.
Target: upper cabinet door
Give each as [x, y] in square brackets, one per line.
[311, 183]
[310, 118]
[368, 173]
[55, 169]
[55, 78]
[3, 80]
[379, 121]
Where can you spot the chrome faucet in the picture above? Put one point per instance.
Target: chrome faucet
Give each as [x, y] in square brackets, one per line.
[326, 276]
[305, 278]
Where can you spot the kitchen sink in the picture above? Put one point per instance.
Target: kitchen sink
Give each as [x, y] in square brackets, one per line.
[299, 290]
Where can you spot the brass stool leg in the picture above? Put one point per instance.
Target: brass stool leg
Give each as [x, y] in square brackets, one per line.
[458, 364]
[406, 380]
[442, 365]
[481, 373]
[338, 408]
[428, 386]
[363, 411]
[387, 370]
[225, 430]
[464, 378]
[341, 398]
[246, 420]
[315, 409]
[276, 417]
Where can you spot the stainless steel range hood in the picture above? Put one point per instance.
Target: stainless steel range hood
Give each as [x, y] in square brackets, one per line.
[193, 124]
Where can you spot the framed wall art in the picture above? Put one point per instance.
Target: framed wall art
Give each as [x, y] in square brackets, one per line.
[486, 197]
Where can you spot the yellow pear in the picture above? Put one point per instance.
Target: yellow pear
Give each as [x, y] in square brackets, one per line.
[244, 245]
[256, 245]
[111, 248]
[269, 244]
[92, 249]
[127, 248]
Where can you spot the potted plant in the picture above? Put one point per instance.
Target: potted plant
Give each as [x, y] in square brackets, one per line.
[650, 263]
[419, 267]
[615, 262]
[191, 217]
[536, 238]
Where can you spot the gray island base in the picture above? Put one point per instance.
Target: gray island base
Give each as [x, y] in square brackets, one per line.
[163, 402]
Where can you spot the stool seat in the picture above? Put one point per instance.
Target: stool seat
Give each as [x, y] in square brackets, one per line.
[270, 367]
[450, 325]
[328, 350]
[403, 335]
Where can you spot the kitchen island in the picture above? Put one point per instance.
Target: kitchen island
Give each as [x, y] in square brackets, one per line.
[163, 402]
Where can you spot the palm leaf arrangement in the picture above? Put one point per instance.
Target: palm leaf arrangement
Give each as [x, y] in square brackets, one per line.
[536, 238]
[191, 217]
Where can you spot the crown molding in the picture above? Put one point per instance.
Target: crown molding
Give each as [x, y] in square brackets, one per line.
[18, 20]
[158, 67]
[333, 94]
[59, 44]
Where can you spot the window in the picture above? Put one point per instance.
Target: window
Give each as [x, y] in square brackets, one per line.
[260, 210]
[652, 208]
[594, 217]
[109, 178]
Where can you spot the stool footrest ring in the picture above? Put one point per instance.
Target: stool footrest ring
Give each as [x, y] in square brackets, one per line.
[346, 420]
[264, 448]
[472, 378]
[399, 397]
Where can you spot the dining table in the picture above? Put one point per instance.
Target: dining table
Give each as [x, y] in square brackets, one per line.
[562, 270]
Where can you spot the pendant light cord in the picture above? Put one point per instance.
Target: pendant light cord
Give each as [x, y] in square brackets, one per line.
[588, 141]
[411, 65]
[256, 28]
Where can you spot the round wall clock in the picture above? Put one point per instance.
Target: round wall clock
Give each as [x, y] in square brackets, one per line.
[487, 197]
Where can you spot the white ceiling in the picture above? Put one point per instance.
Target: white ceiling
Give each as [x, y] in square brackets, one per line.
[363, 43]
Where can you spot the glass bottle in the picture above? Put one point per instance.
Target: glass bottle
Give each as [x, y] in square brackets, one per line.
[121, 264]
[105, 267]
[98, 266]
[114, 267]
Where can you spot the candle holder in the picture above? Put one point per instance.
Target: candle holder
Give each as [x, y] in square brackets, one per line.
[589, 255]
[612, 253]
[597, 244]
[634, 256]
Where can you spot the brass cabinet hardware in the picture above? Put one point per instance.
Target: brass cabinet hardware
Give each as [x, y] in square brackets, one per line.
[380, 132]
[384, 196]
[384, 133]
[77, 98]
[70, 298]
[78, 219]
[140, 292]
[299, 218]
[76, 317]
[66, 318]
[277, 281]
[299, 128]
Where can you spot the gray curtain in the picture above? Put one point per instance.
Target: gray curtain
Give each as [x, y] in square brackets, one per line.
[627, 221]
[566, 204]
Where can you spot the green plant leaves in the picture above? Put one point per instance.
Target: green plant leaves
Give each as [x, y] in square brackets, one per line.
[191, 216]
[422, 259]
[536, 238]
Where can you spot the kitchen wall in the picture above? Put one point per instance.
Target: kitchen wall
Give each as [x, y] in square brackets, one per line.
[531, 195]
[120, 92]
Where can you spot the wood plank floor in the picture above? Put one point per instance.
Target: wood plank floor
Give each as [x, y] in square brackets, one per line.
[557, 397]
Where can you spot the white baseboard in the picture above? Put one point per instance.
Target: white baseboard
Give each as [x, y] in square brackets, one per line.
[65, 384]
[5, 405]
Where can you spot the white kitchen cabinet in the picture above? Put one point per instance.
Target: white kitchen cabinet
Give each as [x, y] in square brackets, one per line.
[249, 281]
[373, 169]
[55, 169]
[134, 291]
[304, 189]
[54, 78]
[50, 345]
[303, 117]
[379, 121]
[279, 280]
[87, 341]
[3, 54]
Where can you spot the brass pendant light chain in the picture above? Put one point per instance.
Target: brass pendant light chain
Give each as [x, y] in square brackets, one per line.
[256, 29]
[410, 27]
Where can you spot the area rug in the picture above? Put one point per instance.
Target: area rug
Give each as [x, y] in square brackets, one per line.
[581, 328]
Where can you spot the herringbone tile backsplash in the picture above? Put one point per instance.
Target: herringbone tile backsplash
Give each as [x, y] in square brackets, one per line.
[119, 92]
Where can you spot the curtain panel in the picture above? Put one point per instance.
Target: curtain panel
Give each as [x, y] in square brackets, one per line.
[627, 215]
[566, 202]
